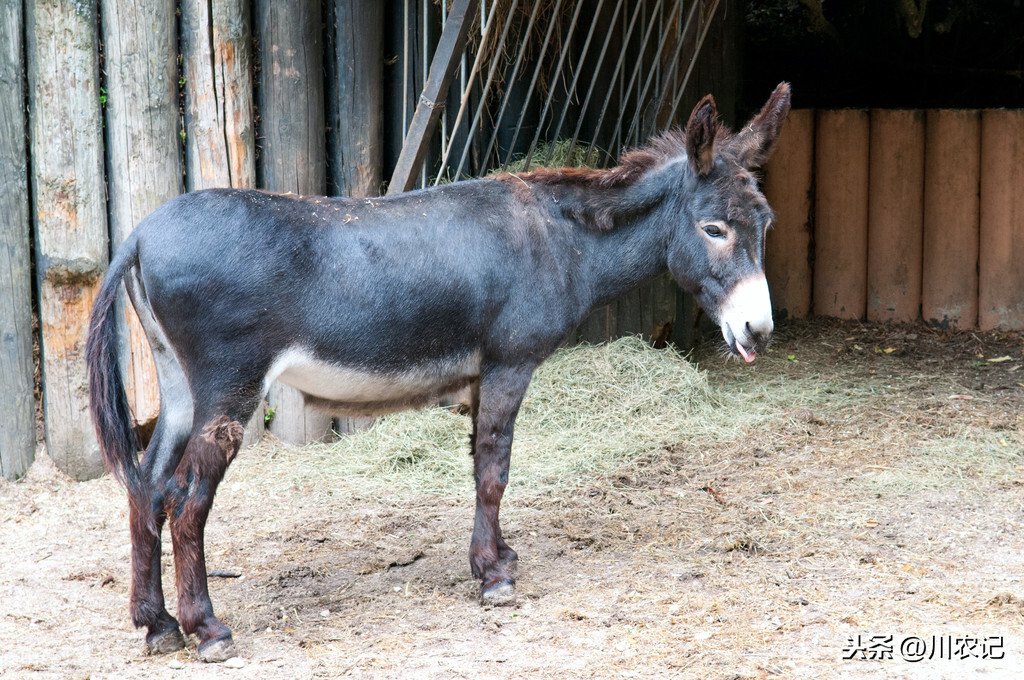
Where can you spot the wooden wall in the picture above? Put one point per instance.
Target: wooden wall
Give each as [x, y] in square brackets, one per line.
[902, 215]
[174, 108]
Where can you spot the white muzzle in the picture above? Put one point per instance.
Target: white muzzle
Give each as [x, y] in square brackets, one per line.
[746, 319]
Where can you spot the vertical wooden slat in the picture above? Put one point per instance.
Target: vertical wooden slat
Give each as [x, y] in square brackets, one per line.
[895, 215]
[627, 313]
[17, 404]
[594, 327]
[143, 146]
[355, 108]
[1000, 268]
[70, 216]
[357, 103]
[788, 183]
[290, 100]
[841, 213]
[949, 281]
[216, 46]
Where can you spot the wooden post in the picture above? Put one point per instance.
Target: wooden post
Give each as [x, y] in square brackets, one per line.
[841, 213]
[356, 105]
[355, 111]
[143, 146]
[291, 108]
[788, 182]
[1000, 274]
[949, 277]
[895, 215]
[17, 403]
[216, 46]
[217, 61]
[70, 216]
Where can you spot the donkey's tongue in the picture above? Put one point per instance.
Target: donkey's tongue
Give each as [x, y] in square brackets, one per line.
[747, 356]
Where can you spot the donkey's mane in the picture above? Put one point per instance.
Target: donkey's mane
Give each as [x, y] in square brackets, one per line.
[664, 147]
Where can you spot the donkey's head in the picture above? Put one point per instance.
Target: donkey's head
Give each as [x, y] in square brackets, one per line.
[718, 252]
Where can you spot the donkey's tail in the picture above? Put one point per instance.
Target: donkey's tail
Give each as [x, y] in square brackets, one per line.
[108, 404]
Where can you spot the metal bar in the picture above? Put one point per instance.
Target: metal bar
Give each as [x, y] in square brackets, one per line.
[637, 113]
[466, 90]
[533, 81]
[693, 60]
[405, 64]
[670, 72]
[551, 91]
[425, 39]
[575, 79]
[444, 110]
[515, 71]
[632, 79]
[487, 84]
[428, 110]
[593, 81]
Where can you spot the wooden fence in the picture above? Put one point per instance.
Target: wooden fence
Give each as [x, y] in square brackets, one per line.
[87, 152]
[899, 215]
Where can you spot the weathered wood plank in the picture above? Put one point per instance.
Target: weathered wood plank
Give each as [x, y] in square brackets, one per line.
[1000, 274]
[216, 44]
[290, 100]
[949, 286]
[357, 106]
[428, 110]
[788, 182]
[895, 214]
[70, 216]
[841, 213]
[216, 47]
[143, 146]
[17, 403]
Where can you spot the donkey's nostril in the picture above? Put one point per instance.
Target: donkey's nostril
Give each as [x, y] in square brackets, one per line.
[760, 332]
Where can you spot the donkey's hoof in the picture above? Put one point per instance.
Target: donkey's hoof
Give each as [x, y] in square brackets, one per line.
[166, 642]
[218, 650]
[499, 594]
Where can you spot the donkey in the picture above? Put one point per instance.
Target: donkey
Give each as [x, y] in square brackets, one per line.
[369, 306]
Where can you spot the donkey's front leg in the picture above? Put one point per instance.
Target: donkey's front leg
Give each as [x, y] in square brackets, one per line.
[202, 467]
[496, 404]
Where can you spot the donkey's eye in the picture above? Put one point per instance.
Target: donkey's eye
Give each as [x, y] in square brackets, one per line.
[714, 231]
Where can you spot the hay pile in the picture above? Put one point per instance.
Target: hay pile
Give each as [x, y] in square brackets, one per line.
[589, 411]
[563, 154]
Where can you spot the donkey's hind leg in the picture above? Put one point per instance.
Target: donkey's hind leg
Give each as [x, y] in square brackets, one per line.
[146, 518]
[147, 514]
[215, 439]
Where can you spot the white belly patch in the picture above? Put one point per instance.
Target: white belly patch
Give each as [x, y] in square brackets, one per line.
[347, 386]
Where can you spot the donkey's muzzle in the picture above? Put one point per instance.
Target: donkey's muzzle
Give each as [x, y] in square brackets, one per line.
[746, 317]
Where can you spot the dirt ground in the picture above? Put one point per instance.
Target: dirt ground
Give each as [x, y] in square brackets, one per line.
[888, 500]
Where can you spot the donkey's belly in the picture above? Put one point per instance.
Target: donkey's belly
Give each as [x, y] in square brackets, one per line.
[356, 391]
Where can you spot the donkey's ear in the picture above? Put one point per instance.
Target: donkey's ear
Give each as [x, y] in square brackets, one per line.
[756, 140]
[700, 136]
